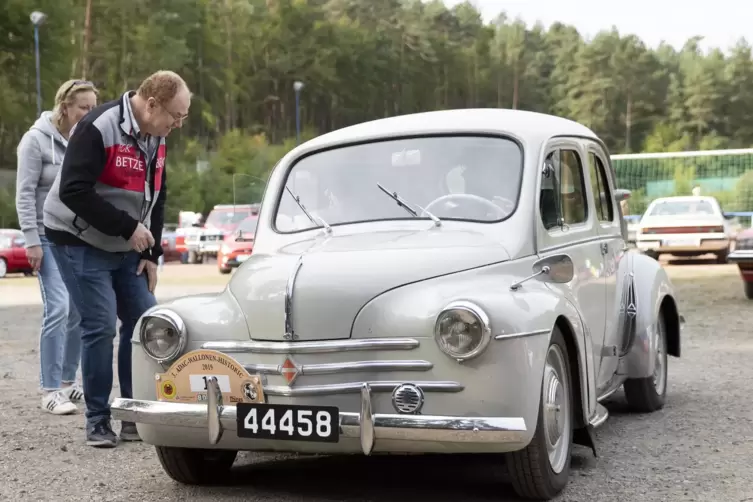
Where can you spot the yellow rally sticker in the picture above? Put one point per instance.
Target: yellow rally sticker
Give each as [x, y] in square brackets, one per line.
[185, 380]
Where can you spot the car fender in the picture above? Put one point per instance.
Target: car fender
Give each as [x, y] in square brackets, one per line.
[645, 289]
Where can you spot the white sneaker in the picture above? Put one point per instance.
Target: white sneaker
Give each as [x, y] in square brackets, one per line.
[58, 403]
[74, 393]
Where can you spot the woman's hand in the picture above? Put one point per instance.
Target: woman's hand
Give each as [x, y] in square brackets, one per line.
[34, 255]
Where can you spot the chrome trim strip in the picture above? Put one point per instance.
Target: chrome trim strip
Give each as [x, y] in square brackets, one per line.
[522, 334]
[355, 387]
[289, 332]
[331, 368]
[365, 425]
[321, 347]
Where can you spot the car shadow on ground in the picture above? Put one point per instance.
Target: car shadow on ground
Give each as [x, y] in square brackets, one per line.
[383, 478]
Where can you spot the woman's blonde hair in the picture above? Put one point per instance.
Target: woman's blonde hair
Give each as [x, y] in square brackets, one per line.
[66, 96]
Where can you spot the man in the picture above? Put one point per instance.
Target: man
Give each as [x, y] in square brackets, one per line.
[104, 217]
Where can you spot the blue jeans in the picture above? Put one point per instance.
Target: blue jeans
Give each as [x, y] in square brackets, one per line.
[60, 339]
[104, 286]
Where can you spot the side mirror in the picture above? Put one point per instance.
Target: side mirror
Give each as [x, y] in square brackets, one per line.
[557, 268]
[728, 216]
[621, 194]
[18, 243]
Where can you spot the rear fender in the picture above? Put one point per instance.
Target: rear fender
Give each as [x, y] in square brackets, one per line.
[646, 290]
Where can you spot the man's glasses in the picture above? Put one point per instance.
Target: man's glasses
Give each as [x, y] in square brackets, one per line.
[74, 84]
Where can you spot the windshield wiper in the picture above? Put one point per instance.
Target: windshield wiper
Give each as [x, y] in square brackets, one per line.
[320, 221]
[404, 204]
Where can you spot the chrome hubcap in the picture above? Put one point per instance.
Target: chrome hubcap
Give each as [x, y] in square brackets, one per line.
[556, 403]
[660, 367]
[3, 268]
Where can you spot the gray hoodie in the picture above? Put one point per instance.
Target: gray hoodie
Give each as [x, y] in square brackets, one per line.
[40, 155]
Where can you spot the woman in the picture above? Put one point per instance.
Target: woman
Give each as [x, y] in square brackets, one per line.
[40, 155]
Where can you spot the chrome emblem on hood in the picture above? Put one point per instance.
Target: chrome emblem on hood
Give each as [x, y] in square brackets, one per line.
[289, 332]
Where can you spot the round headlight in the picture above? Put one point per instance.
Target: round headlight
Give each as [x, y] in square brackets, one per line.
[462, 330]
[163, 335]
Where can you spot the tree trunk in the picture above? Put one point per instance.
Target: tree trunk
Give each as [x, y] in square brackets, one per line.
[87, 36]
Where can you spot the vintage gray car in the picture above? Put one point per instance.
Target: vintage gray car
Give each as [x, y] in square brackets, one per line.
[445, 282]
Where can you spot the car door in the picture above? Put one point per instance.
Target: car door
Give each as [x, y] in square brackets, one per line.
[566, 225]
[613, 247]
[18, 252]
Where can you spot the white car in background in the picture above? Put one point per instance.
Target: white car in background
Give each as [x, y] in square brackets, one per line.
[685, 226]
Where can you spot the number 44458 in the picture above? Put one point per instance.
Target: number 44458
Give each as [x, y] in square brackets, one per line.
[301, 423]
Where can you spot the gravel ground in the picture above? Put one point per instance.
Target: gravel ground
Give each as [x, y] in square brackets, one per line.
[698, 448]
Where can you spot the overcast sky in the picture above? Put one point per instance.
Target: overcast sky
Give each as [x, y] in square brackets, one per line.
[720, 22]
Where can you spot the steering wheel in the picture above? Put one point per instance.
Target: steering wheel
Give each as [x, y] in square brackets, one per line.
[491, 208]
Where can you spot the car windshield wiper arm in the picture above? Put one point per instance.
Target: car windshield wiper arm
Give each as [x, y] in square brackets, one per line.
[404, 204]
[313, 219]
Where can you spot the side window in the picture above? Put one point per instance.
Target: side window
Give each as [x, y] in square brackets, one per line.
[600, 188]
[563, 199]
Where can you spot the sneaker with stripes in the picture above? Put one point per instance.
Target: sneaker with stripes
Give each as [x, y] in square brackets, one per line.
[74, 393]
[57, 403]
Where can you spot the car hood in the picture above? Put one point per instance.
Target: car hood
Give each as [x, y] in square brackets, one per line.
[331, 279]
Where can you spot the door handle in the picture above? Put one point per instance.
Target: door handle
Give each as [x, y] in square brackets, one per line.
[604, 248]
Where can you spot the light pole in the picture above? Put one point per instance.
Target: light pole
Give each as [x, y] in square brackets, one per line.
[37, 19]
[297, 86]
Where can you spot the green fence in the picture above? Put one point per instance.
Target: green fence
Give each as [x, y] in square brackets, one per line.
[724, 174]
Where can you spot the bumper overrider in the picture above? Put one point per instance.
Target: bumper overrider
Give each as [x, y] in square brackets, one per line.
[219, 418]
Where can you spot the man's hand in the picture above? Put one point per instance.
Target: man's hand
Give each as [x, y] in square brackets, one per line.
[141, 239]
[151, 273]
[34, 255]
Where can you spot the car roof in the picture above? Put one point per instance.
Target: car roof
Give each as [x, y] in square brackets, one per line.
[528, 126]
[685, 198]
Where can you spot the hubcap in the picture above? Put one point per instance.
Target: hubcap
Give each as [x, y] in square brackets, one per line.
[660, 367]
[3, 268]
[556, 401]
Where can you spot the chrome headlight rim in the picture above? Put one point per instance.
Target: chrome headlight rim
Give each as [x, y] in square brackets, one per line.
[171, 317]
[483, 319]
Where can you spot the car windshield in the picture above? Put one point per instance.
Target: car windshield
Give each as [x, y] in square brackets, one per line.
[474, 178]
[221, 218]
[248, 226]
[687, 207]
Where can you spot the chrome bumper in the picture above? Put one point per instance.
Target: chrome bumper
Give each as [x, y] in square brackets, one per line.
[365, 426]
[740, 255]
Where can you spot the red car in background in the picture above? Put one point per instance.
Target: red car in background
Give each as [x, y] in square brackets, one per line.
[13, 253]
[237, 246]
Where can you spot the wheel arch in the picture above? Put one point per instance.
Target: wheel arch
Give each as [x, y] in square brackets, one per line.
[672, 323]
[576, 371]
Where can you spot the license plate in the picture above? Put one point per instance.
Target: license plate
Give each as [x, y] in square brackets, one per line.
[242, 257]
[682, 242]
[288, 423]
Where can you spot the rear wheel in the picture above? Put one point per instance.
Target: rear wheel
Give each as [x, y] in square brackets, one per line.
[748, 290]
[225, 270]
[541, 470]
[3, 268]
[722, 256]
[196, 467]
[649, 394]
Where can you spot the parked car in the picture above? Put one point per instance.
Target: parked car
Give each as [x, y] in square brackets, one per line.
[13, 253]
[221, 221]
[685, 226]
[237, 246]
[742, 256]
[453, 281]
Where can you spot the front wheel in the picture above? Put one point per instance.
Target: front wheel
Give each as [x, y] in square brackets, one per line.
[225, 270]
[648, 394]
[541, 470]
[194, 466]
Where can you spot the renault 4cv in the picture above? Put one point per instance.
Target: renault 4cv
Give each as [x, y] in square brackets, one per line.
[444, 282]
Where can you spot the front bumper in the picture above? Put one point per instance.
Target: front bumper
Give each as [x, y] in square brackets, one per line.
[741, 256]
[504, 433]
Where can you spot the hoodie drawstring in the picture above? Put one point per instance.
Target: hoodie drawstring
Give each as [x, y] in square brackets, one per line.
[52, 146]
